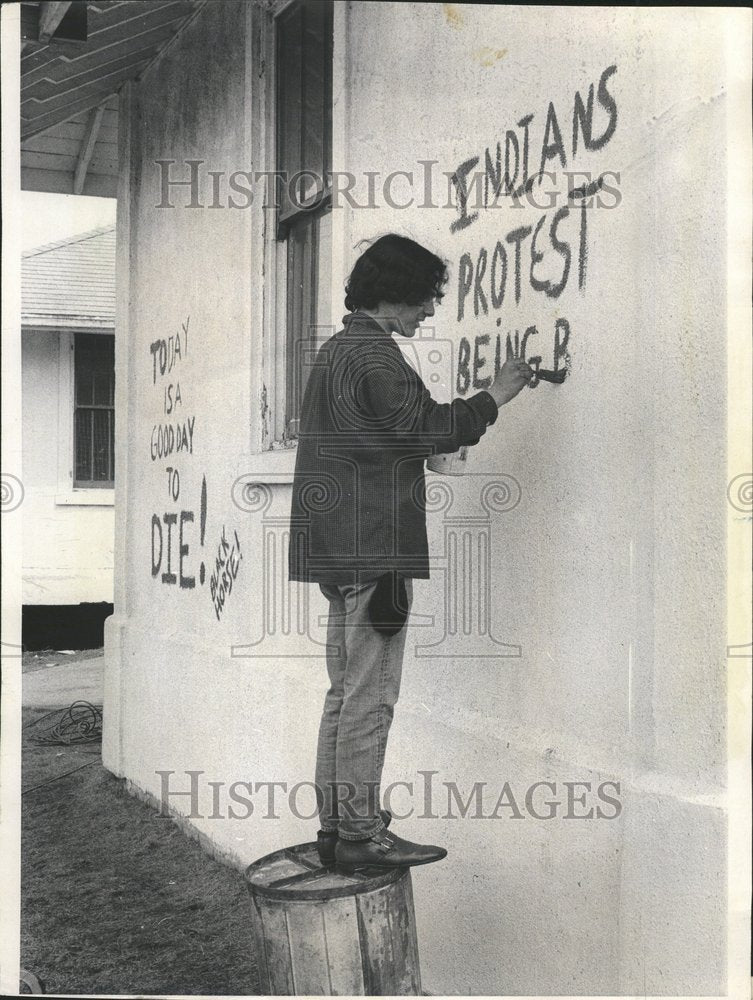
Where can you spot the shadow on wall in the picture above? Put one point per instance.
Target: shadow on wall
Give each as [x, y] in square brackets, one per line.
[64, 626]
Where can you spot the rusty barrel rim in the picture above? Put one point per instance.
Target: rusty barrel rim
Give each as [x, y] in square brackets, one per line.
[303, 887]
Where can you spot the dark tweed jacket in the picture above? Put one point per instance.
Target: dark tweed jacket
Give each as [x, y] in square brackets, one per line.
[367, 425]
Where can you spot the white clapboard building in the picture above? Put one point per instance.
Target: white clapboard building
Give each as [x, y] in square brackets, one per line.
[68, 386]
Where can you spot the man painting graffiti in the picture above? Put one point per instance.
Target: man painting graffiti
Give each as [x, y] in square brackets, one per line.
[358, 528]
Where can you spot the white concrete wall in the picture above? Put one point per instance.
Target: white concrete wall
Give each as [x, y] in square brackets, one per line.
[68, 535]
[608, 572]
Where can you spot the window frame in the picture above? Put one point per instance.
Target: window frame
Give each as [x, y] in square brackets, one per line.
[271, 456]
[280, 432]
[94, 484]
[67, 494]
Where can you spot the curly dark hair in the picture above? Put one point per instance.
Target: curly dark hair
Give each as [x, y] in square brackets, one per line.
[395, 269]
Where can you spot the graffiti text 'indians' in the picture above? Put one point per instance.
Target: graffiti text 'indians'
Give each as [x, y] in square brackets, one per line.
[508, 173]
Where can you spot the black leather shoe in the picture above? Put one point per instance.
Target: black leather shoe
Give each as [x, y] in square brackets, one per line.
[326, 840]
[384, 850]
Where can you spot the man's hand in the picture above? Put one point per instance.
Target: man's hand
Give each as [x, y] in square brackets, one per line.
[511, 378]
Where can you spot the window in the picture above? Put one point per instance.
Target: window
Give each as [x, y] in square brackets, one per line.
[94, 411]
[303, 109]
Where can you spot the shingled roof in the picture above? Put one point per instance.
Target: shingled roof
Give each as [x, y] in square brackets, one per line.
[70, 283]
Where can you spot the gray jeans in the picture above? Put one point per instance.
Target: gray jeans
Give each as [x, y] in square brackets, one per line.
[364, 668]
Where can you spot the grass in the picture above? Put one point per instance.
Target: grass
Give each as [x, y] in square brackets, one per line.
[116, 899]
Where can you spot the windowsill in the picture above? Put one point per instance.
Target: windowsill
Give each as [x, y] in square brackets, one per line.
[85, 498]
[275, 467]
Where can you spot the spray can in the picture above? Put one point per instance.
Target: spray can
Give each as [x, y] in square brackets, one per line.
[452, 463]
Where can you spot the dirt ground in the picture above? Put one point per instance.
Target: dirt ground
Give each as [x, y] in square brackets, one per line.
[116, 899]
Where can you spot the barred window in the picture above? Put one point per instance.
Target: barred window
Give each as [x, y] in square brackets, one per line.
[94, 411]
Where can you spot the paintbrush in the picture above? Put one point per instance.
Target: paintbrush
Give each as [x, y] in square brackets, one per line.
[548, 376]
